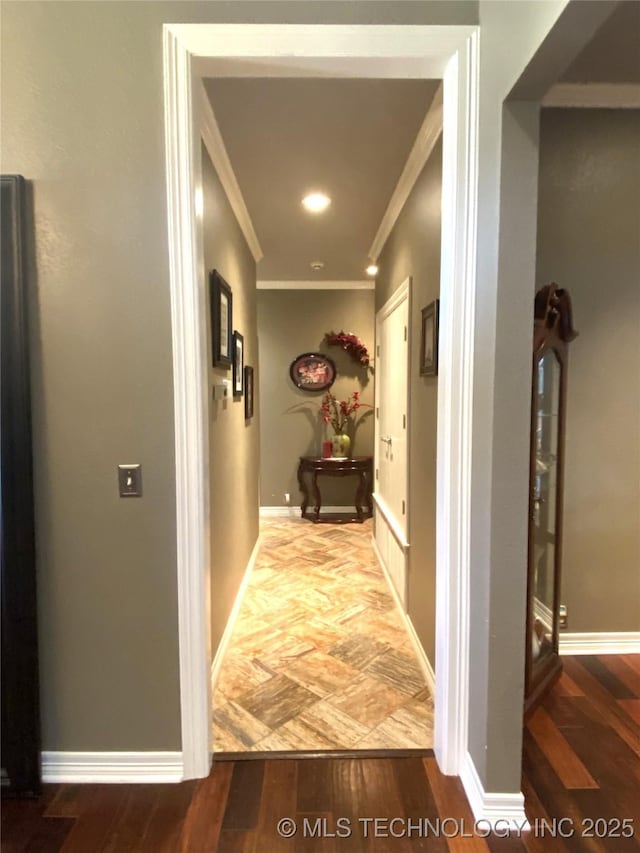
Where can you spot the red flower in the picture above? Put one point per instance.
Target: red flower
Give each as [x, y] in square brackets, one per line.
[337, 412]
[351, 344]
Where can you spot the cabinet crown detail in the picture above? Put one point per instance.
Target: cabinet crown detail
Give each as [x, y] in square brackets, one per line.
[553, 314]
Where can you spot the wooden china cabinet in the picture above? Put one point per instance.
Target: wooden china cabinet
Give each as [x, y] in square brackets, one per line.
[553, 331]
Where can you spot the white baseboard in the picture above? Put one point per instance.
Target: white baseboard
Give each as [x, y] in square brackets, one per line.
[294, 511]
[423, 660]
[132, 767]
[280, 512]
[603, 643]
[231, 621]
[500, 811]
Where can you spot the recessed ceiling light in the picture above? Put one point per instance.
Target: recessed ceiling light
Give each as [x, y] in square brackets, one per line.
[372, 269]
[316, 265]
[316, 202]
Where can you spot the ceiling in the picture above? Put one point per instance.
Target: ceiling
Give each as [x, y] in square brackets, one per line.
[613, 54]
[348, 138]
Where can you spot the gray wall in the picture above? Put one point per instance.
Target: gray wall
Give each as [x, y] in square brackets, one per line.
[291, 322]
[524, 46]
[589, 242]
[413, 249]
[234, 443]
[82, 116]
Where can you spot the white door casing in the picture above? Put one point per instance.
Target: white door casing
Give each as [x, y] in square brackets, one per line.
[192, 51]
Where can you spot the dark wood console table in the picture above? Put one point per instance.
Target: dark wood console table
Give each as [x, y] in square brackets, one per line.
[360, 467]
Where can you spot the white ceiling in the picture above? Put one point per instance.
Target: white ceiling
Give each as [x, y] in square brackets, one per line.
[349, 138]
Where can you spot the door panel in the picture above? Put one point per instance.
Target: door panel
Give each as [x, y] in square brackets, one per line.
[391, 461]
[392, 409]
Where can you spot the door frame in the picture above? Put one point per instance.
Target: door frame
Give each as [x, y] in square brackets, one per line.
[450, 53]
[400, 295]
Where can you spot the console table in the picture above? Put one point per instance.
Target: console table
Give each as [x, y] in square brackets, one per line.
[360, 466]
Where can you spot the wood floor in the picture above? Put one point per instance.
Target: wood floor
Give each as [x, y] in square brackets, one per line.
[581, 768]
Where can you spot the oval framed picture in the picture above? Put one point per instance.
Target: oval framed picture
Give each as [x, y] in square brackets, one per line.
[312, 371]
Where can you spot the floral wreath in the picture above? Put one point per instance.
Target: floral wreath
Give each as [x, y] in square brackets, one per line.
[351, 344]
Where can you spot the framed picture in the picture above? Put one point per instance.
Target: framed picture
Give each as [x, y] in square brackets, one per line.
[429, 339]
[221, 320]
[312, 371]
[248, 393]
[238, 364]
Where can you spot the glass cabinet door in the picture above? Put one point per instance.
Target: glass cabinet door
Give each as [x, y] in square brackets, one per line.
[552, 332]
[544, 638]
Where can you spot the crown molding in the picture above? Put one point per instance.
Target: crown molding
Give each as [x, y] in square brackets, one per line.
[619, 96]
[312, 284]
[426, 139]
[216, 149]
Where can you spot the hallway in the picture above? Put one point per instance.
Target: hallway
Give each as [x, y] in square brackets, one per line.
[319, 658]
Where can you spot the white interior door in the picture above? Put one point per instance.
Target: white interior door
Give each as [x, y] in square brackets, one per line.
[391, 492]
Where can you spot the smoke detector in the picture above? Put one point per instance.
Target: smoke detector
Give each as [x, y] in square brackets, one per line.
[317, 265]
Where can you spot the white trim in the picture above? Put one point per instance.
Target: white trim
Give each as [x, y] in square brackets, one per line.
[603, 643]
[324, 50]
[423, 660]
[190, 384]
[499, 811]
[217, 151]
[401, 294]
[390, 519]
[116, 767]
[352, 50]
[619, 96]
[231, 621]
[426, 139]
[400, 586]
[280, 511]
[455, 404]
[316, 285]
[397, 298]
[294, 511]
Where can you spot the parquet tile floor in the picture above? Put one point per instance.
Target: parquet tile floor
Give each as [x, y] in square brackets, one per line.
[319, 658]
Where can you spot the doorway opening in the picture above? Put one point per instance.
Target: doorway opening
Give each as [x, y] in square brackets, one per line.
[320, 636]
[448, 53]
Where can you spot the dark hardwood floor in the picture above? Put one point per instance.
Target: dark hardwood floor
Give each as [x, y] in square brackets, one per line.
[581, 769]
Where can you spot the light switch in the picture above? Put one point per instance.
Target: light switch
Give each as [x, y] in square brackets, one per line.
[130, 481]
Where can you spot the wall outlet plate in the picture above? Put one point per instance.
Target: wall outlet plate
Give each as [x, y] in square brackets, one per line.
[563, 617]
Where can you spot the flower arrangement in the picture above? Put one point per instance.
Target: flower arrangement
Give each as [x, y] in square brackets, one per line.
[337, 412]
[351, 344]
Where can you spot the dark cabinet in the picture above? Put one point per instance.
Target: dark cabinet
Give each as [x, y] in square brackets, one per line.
[20, 707]
[553, 331]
